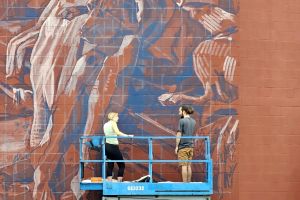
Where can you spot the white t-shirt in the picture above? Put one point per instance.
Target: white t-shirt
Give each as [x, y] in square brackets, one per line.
[108, 131]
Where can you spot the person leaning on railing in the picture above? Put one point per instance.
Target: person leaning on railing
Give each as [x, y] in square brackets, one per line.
[112, 150]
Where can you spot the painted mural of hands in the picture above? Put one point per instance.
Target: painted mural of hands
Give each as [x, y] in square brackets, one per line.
[176, 97]
[180, 97]
[214, 65]
[16, 50]
[70, 12]
[21, 95]
[229, 68]
[214, 19]
[17, 46]
[20, 98]
[170, 98]
[164, 98]
[224, 81]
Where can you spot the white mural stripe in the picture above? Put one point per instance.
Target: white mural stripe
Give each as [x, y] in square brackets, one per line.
[204, 45]
[227, 67]
[218, 49]
[155, 123]
[215, 45]
[233, 69]
[222, 49]
[231, 138]
[216, 17]
[203, 68]
[216, 27]
[225, 64]
[196, 65]
[207, 26]
[210, 47]
[223, 14]
[221, 134]
[201, 47]
[227, 51]
[230, 71]
[199, 68]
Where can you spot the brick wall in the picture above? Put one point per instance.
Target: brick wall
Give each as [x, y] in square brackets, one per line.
[269, 100]
[235, 62]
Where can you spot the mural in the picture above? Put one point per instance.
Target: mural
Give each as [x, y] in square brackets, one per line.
[67, 63]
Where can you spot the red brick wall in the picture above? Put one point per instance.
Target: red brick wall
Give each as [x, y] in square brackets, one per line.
[269, 161]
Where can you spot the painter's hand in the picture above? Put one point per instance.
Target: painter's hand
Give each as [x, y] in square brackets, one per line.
[130, 135]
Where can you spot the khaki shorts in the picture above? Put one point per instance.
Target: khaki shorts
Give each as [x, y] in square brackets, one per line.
[185, 154]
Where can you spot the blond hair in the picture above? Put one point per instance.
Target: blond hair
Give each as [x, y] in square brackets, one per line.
[111, 115]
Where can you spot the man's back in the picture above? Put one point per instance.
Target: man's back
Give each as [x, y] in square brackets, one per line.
[187, 128]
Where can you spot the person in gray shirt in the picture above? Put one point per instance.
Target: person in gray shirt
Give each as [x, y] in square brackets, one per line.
[184, 146]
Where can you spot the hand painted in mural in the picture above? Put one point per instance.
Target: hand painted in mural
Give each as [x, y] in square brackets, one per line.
[84, 54]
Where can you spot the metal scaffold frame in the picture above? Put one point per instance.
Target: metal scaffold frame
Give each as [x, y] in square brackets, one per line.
[150, 188]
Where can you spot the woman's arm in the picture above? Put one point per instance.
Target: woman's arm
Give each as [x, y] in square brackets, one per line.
[118, 132]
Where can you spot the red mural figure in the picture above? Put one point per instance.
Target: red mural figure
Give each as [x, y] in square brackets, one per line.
[79, 49]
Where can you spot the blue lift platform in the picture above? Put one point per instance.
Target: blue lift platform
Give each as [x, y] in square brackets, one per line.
[148, 190]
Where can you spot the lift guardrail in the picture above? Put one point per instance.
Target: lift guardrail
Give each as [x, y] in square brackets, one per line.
[110, 188]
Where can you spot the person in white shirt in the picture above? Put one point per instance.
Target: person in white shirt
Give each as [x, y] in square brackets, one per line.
[112, 150]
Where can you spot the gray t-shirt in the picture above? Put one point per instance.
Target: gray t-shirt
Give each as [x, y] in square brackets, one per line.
[187, 127]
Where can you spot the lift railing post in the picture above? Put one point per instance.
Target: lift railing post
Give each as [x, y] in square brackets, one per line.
[209, 163]
[150, 158]
[206, 158]
[211, 167]
[80, 158]
[103, 159]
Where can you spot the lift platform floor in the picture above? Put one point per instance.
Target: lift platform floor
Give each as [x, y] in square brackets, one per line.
[157, 198]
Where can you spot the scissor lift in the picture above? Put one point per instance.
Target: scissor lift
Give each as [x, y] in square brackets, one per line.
[149, 190]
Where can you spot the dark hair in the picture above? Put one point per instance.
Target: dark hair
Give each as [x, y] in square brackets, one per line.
[188, 109]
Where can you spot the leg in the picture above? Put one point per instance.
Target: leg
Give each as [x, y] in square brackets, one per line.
[190, 153]
[182, 155]
[189, 173]
[121, 165]
[184, 173]
[109, 152]
[110, 168]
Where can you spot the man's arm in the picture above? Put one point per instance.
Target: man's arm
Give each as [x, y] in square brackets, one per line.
[178, 136]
